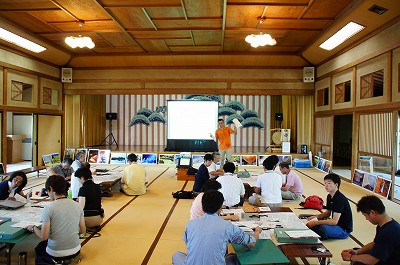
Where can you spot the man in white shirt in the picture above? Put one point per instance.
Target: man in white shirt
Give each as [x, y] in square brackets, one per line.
[212, 169]
[268, 185]
[232, 187]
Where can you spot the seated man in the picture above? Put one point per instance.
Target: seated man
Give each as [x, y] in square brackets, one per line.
[64, 169]
[207, 236]
[292, 189]
[202, 174]
[384, 250]
[134, 179]
[340, 225]
[232, 187]
[268, 185]
[62, 222]
[212, 169]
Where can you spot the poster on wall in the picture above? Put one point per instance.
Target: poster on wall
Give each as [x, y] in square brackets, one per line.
[382, 186]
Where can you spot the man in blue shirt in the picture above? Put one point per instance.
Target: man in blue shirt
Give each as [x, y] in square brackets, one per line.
[384, 250]
[207, 236]
[202, 174]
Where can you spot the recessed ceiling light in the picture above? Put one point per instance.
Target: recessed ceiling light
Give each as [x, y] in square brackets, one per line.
[20, 41]
[341, 36]
[377, 9]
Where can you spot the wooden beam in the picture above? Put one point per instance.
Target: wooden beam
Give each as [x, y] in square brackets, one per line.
[223, 24]
[184, 10]
[149, 18]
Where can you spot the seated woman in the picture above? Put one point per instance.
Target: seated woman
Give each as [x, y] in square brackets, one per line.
[89, 197]
[8, 188]
[62, 222]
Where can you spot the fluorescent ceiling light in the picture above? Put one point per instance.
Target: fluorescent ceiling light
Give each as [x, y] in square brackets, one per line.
[341, 36]
[20, 41]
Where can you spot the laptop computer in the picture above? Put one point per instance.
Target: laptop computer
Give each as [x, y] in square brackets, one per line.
[11, 205]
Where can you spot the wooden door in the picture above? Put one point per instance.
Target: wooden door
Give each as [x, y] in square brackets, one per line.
[48, 136]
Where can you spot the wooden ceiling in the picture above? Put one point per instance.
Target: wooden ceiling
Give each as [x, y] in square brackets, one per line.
[188, 33]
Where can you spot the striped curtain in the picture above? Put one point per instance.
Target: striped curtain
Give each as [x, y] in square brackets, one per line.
[376, 133]
[323, 132]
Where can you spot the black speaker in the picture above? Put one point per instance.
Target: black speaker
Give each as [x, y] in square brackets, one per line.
[279, 116]
[111, 116]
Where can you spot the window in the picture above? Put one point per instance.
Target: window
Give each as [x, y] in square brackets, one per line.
[21, 91]
[372, 85]
[323, 97]
[343, 92]
[50, 96]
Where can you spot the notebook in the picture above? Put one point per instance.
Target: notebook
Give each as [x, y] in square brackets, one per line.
[12, 205]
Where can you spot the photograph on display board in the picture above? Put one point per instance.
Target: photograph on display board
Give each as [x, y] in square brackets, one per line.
[176, 158]
[249, 160]
[261, 159]
[166, 159]
[55, 158]
[358, 177]
[236, 159]
[118, 158]
[369, 181]
[315, 161]
[382, 186]
[321, 164]
[139, 158]
[69, 152]
[103, 157]
[328, 166]
[149, 159]
[93, 155]
[197, 160]
[47, 160]
[285, 159]
[83, 151]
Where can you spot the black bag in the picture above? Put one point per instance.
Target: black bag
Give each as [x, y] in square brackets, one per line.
[191, 171]
[183, 194]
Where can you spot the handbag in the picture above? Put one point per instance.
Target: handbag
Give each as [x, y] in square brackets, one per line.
[313, 202]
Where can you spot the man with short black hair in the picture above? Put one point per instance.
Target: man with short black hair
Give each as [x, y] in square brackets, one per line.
[232, 187]
[202, 174]
[134, 179]
[207, 236]
[292, 189]
[384, 250]
[337, 221]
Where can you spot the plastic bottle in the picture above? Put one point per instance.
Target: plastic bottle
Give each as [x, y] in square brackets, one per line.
[236, 168]
[69, 194]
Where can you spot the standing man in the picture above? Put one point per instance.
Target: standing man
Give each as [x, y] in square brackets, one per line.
[212, 169]
[385, 247]
[337, 221]
[292, 189]
[207, 236]
[202, 175]
[134, 179]
[223, 136]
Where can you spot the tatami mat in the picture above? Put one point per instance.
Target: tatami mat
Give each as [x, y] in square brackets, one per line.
[148, 229]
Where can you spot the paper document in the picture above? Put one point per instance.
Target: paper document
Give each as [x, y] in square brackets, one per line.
[237, 123]
[24, 224]
[301, 233]
[20, 198]
[264, 209]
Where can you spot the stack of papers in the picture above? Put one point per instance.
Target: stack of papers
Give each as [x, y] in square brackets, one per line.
[307, 233]
[238, 212]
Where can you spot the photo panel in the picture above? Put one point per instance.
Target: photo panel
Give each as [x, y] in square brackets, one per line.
[83, 151]
[315, 161]
[103, 157]
[69, 152]
[358, 177]
[47, 160]
[369, 181]
[285, 159]
[261, 159]
[321, 163]
[149, 159]
[118, 158]
[139, 158]
[93, 155]
[236, 159]
[55, 158]
[197, 160]
[176, 159]
[382, 186]
[328, 166]
[249, 160]
[166, 159]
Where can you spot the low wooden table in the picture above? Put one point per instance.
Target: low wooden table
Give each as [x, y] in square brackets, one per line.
[304, 251]
[25, 170]
[106, 187]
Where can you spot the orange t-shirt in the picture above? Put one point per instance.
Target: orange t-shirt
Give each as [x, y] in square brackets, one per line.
[224, 138]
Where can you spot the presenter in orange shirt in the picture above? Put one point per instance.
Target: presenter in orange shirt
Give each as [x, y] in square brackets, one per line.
[223, 138]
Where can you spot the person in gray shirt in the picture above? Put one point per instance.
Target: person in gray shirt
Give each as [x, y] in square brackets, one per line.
[62, 222]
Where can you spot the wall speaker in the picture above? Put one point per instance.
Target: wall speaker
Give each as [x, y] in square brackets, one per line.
[279, 116]
[308, 74]
[111, 116]
[66, 75]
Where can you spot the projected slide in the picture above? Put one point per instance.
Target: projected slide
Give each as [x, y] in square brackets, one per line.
[190, 125]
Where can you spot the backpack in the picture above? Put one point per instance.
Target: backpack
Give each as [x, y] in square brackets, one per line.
[183, 194]
[191, 171]
[313, 202]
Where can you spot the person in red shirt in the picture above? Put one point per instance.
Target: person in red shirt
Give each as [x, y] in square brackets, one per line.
[223, 138]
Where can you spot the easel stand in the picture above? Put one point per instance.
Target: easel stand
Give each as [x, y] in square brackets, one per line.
[110, 139]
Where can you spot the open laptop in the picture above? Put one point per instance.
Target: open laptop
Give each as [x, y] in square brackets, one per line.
[11, 205]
